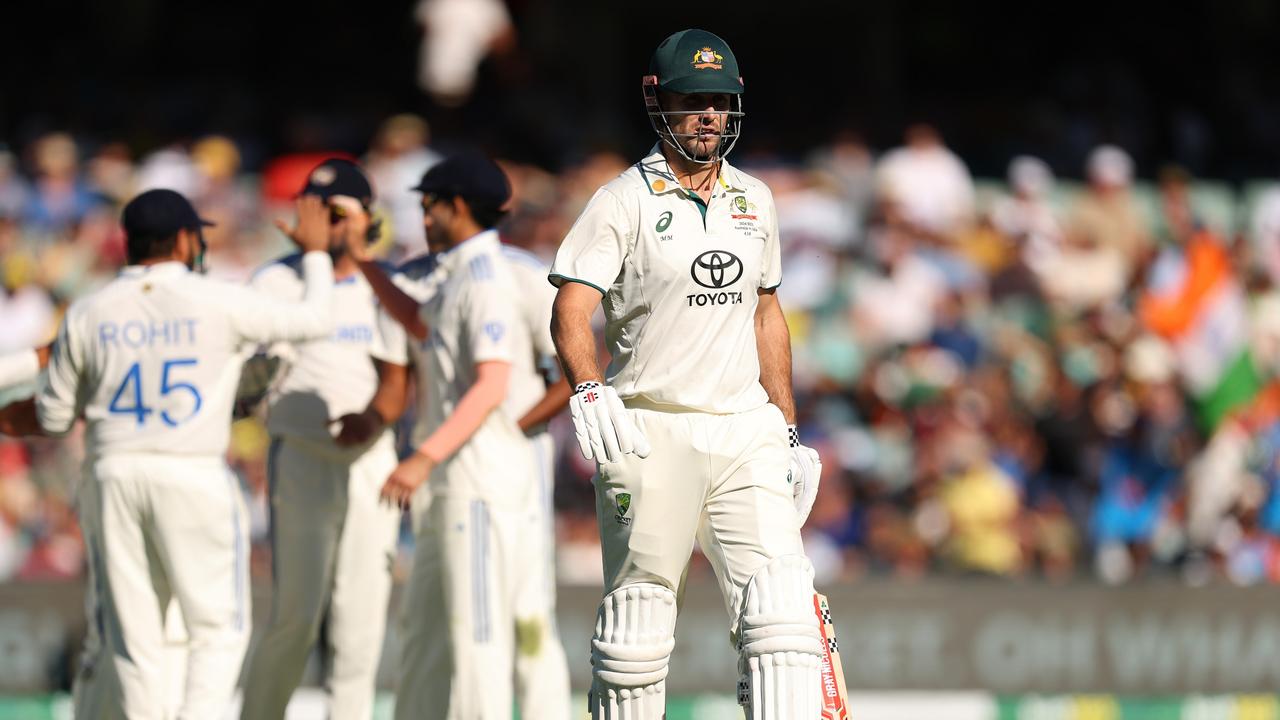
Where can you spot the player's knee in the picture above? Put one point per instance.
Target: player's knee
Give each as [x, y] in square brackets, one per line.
[634, 636]
[777, 610]
[780, 642]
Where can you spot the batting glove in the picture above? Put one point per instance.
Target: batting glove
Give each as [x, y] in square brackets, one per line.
[805, 472]
[605, 429]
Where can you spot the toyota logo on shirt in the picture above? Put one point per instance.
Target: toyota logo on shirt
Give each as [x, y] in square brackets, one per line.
[716, 269]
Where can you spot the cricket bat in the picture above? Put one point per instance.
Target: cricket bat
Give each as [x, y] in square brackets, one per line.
[834, 694]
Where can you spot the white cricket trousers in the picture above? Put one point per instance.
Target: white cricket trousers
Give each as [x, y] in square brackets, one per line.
[333, 544]
[159, 525]
[721, 479]
[541, 668]
[472, 565]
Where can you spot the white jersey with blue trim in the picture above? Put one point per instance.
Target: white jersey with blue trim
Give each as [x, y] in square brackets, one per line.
[472, 318]
[328, 377]
[532, 350]
[151, 360]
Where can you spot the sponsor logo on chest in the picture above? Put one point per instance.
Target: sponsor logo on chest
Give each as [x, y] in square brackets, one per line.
[714, 270]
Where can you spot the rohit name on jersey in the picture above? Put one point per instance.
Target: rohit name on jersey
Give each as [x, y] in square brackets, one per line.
[140, 333]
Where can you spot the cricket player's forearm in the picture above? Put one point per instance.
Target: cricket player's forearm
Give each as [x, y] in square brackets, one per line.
[556, 399]
[399, 304]
[773, 345]
[19, 368]
[390, 398]
[19, 419]
[575, 343]
[482, 398]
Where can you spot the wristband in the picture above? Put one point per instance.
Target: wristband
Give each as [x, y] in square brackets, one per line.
[793, 436]
[589, 385]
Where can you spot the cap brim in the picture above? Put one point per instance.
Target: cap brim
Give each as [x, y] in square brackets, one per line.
[710, 84]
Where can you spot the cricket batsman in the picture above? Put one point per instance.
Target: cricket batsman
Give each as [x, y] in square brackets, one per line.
[151, 362]
[693, 425]
[332, 541]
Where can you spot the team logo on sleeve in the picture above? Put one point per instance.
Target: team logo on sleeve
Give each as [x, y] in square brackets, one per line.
[494, 330]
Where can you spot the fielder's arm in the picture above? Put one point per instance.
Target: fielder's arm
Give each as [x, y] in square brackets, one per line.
[773, 345]
[23, 366]
[483, 397]
[19, 418]
[399, 305]
[386, 406]
[556, 399]
[571, 331]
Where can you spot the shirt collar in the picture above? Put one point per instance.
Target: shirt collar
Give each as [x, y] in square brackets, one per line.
[163, 269]
[660, 179]
[476, 244]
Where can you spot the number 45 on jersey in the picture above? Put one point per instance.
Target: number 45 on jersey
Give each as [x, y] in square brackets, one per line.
[129, 398]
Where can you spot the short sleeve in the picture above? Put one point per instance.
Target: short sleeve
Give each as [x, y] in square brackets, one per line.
[771, 263]
[390, 341]
[593, 251]
[488, 319]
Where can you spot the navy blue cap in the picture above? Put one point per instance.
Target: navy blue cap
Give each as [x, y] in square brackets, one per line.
[160, 213]
[470, 176]
[337, 176]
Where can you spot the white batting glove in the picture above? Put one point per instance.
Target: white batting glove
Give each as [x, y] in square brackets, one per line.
[804, 475]
[605, 429]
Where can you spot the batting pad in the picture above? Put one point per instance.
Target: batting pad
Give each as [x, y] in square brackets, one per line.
[780, 643]
[635, 633]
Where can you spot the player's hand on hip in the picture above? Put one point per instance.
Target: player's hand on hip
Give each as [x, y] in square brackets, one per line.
[605, 429]
[312, 231]
[357, 428]
[804, 474]
[405, 480]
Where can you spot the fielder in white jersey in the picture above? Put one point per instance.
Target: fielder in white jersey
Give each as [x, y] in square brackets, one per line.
[151, 363]
[94, 693]
[332, 541]
[691, 430]
[478, 547]
[541, 669]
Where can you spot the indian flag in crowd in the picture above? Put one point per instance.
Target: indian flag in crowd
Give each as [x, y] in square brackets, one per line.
[1194, 301]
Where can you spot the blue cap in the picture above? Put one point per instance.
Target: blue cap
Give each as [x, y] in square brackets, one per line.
[470, 176]
[337, 176]
[160, 213]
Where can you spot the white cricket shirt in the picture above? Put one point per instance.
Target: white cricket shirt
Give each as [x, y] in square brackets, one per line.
[327, 377]
[679, 284]
[531, 346]
[471, 315]
[152, 359]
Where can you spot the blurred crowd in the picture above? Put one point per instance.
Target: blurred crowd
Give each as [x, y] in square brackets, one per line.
[1025, 377]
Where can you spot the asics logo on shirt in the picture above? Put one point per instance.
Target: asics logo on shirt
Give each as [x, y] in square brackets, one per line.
[716, 269]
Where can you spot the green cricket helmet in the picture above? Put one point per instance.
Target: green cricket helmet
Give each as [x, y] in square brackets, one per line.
[692, 62]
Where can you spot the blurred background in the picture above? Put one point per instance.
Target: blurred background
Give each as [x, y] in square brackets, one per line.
[1031, 256]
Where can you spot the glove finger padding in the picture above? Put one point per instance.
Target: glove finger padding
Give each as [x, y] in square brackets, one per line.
[612, 450]
[806, 470]
[626, 424]
[580, 428]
